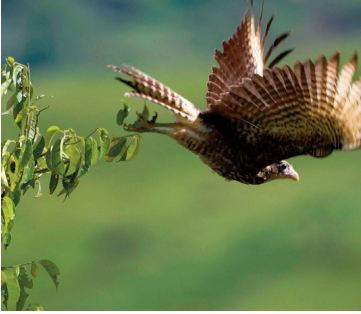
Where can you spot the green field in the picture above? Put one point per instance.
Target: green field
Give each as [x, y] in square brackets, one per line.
[163, 232]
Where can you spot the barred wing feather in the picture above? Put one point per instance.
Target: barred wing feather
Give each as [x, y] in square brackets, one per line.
[311, 109]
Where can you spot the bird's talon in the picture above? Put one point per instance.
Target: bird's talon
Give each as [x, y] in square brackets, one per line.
[141, 124]
[154, 118]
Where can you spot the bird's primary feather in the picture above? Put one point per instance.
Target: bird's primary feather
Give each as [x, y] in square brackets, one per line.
[243, 56]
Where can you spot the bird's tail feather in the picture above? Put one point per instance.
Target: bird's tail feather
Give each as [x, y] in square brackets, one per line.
[146, 87]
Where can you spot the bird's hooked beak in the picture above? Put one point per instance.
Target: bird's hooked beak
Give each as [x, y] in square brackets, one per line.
[292, 174]
[279, 170]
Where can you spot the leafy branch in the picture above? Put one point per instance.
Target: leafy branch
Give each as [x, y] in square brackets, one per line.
[61, 154]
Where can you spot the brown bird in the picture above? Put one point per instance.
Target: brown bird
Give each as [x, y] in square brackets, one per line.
[258, 115]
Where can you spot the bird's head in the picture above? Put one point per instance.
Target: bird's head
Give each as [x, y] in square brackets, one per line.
[279, 170]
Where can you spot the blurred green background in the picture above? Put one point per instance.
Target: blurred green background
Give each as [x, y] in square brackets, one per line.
[163, 232]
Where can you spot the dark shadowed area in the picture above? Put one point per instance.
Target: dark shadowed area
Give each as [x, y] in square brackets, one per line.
[163, 232]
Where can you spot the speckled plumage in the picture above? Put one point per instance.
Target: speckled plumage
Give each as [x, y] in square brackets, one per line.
[259, 115]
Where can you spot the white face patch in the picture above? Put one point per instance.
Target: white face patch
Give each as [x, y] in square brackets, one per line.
[280, 170]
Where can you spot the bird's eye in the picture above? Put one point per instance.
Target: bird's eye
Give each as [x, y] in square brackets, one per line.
[283, 166]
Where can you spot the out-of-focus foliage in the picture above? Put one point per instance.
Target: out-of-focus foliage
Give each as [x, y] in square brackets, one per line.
[17, 280]
[61, 154]
[131, 31]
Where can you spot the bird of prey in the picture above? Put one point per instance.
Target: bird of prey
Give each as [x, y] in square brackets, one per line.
[259, 115]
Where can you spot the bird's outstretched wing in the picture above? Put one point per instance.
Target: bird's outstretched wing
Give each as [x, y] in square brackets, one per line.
[243, 56]
[311, 109]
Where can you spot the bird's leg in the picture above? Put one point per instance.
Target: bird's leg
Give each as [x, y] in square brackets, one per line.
[144, 125]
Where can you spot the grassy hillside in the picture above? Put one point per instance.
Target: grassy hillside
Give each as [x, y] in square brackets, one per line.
[163, 231]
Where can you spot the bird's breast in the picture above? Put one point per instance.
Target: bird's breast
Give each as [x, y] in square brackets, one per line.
[219, 148]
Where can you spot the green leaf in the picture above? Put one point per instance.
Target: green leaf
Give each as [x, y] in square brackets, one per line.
[41, 163]
[13, 288]
[104, 139]
[28, 173]
[52, 130]
[22, 298]
[54, 159]
[39, 147]
[4, 294]
[16, 110]
[21, 115]
[54, 179]
[49, 160]
[8, 210]
[6, 146]
[24, 279]
[4, 180]
[35, 307]
[11, 102]
[10, 60]
[74, 156]
[34, 269]
[90, 155]
[25, 153]
[3, 70]
[133, 147]
[27, 185]
[16, 72]
[20, 96]
[17, 270]
[5, 84]
[15, 195]
[52, 270]
[115, 149]
[24, 282]
[6, 238]
[94, 152]
[122, 114]
[12, 171]
[70, 183]
[91, 151]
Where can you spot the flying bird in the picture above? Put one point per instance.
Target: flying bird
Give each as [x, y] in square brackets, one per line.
[258, 115]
